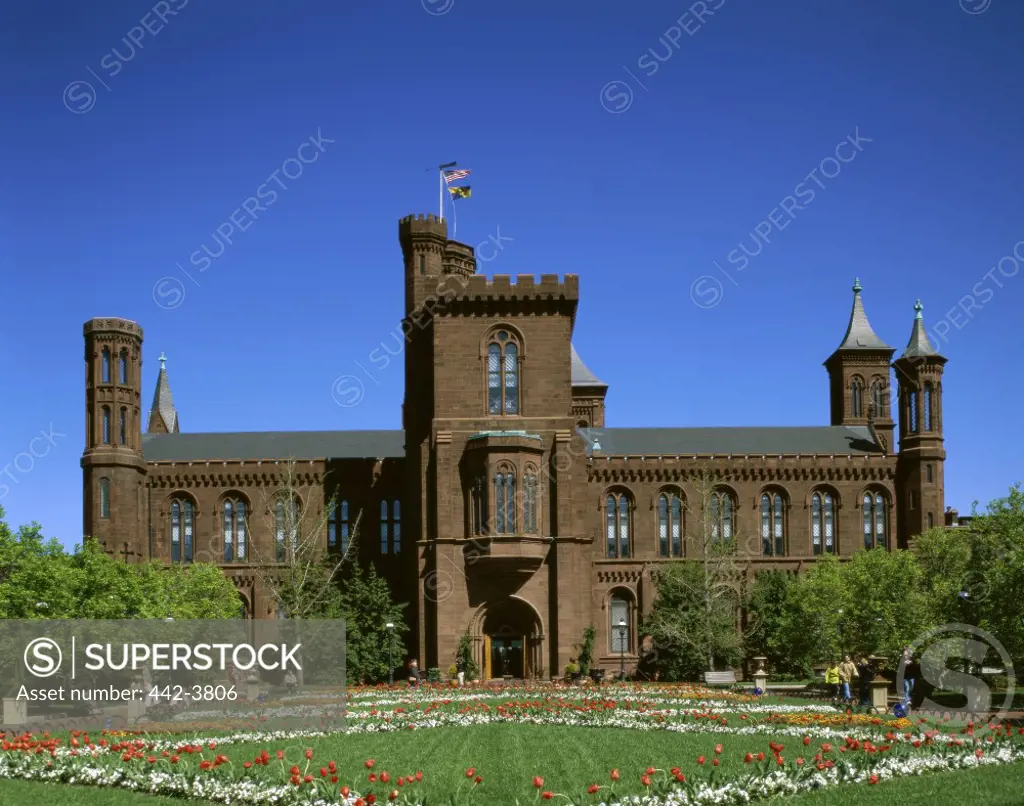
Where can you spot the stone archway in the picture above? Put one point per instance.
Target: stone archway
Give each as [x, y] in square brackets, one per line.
[508, 637]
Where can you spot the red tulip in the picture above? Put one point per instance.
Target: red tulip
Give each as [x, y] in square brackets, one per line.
[701, 760]
[538, 781]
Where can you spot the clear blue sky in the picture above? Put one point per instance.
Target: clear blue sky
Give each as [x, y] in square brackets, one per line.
[97, 206]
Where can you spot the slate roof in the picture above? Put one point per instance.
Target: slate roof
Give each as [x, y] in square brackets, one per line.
[274, 445]
[581, 374]
[753, 441]
[919, 346]
[163, 403]
[859, 334]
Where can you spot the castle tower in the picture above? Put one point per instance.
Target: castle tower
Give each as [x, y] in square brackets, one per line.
[163, 417]
[859, 375]
[112, 464]
[919, 467]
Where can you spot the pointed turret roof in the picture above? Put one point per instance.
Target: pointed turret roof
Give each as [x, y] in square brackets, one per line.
[581, 374]
[859, 335]
[163, 417]
[919, 346]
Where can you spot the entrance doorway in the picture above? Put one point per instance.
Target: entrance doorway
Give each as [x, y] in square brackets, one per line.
[507, 656]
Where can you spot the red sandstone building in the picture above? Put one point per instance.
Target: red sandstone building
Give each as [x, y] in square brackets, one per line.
[504, 507]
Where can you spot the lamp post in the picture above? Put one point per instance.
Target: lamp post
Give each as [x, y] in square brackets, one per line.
[841, 653]
[622, 649]
[391, 664]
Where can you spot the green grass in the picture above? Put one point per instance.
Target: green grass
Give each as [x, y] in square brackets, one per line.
[29, 793]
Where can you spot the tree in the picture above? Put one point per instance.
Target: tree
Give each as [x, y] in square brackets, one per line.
[766, 614]
[299, 569]
[586, 656]
[366, 605]
[465, 654]
[694, 622]
[812, 627]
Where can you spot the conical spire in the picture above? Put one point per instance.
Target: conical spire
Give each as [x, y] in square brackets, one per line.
[859, 335]
[163, 417]
[918, 346]
[581, 374]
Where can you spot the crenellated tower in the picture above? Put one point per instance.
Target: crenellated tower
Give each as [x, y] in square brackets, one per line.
[859, 376]
[919, 467]
[113, 466]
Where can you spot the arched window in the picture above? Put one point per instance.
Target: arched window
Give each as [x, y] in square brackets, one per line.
[857, 397]
[876, 520]
[927, 407]
[124, 426]
[104, 498]
[912, 401]
[530, 501]
[620, 623]
[773, 530]
[617, 512]
[182, 522]
[390, 527]
[823, 520]
[235, 531]
[122, 368]
[478, 497]
[505, 501]
[106, 365]
[878, 397]
[722, 522]
[502, 374]
[670, 525]
[339, 527]
[106, 425]
[287, 533]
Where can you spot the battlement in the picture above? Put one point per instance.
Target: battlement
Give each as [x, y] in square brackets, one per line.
[109, 324]
[422, 224]
[520, 287]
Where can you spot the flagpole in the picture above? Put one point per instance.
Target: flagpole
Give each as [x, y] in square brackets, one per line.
[440, 194]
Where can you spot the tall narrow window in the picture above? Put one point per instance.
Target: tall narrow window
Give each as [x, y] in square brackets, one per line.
[928, 473]
[619, 624]
[931, 520]
[122, 368]
[823, 518]
[106, 425]
[338, 527]
[390, 527]
[479, 503]
[234, 530]
[106, 365]
[502, 375]
[182, 520]
[505, 501]
[773, 535]
[912, 400]
[878, 397]
[286, 528]
[617, 510]
[670, 525]
[927, 407]
[124, 427]
[530, 502]
[423, 264]
[857, 397]
[875, 520]
[104, 498]
[721, 517]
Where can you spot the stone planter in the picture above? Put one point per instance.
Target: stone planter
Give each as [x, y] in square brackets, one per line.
[15, 711]
[880, 695]
[760, 676]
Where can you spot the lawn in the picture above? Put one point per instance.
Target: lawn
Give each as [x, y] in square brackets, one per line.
[663, 741]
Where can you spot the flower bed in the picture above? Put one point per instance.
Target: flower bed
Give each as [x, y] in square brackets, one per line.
[743, 749]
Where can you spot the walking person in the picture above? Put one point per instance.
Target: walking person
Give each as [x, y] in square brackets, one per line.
[832, 679]
[460, 669]
[911, 669]
[865, 674]
[847, 673]
[414, 673]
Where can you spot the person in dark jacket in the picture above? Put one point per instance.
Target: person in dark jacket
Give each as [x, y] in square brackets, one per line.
[865, 674]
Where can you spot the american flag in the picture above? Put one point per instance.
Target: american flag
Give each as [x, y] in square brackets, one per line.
[451, 176]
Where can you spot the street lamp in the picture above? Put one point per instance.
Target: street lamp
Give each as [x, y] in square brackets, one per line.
[622, 649]
[391, 664]
[841, 653]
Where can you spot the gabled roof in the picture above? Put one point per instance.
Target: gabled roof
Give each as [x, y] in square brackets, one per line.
[919, 346]
[581, 374]
[742, 441]
[859, 334]
[253, 445]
